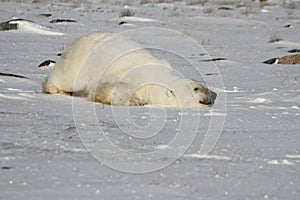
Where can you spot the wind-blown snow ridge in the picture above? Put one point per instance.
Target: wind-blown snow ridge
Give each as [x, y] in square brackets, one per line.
[31, 27]
[138, 19]
[261, 100]
[280, 162]
[295, 107]
[212, 157]
[161, 147]
[12, 97]
[215, 114]
[287, 44]
[293, 156]
[235, 90]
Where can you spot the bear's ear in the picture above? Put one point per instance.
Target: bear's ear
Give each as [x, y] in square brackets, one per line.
[170, 93]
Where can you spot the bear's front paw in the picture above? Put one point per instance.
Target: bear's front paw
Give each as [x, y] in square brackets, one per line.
[136, 101]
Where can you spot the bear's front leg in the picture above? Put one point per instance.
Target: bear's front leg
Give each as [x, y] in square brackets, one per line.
[50, 88]
[136, 101]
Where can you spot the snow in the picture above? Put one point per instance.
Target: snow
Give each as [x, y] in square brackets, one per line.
[261, 100]
[244, 147]
[216, 157]
[137, 19]
[280, 162]
[29, 27]
[293, 156]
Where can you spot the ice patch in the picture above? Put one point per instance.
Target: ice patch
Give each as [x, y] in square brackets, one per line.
[260, 100]
[137, 19]
[211, 113]
[183, 114]
[280, 162]
[13, 89]
[212, 157]
[264, 10]
[295, 107]
[292, 156]
[77, 150]
[235, 89]
[162, 147]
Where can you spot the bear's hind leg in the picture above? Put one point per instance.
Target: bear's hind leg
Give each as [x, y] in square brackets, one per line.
[119, 94]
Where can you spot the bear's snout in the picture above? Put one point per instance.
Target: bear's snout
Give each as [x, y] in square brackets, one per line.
[210, 99]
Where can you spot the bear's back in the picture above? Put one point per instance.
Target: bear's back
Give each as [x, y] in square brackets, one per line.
[118, 55]
[90, 58]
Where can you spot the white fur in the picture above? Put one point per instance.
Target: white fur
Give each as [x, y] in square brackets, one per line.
[111, 69]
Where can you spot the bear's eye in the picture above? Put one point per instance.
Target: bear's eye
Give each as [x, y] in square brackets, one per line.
[196, 89]
[202, 102]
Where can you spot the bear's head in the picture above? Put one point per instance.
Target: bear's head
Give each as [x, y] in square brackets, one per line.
[188, 93]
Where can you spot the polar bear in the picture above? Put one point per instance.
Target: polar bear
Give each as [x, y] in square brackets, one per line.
[111, 69]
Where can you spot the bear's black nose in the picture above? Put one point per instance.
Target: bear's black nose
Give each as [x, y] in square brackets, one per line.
[213, 96]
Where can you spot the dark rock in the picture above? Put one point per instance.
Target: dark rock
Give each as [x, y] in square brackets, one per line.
[213, 60]
[285, 60]
[122, 22]
[294, 51]
[45, 15]
[7, 167]
[12, 75]
[225, 8]
[11, 24]
[55, 21]
[271, 61]
[46, 63]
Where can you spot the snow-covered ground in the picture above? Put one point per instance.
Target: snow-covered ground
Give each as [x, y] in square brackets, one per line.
[56, 147]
